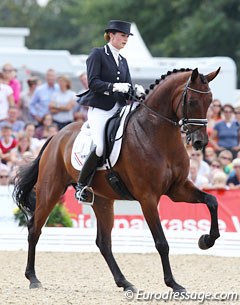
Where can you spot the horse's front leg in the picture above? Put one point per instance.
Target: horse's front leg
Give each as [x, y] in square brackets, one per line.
[187, 192]
[103, 209]
[151, 215]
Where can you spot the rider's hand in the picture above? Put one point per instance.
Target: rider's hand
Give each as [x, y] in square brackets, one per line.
[121, 87]
[139, 90]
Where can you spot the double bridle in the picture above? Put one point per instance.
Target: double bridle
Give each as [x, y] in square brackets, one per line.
[184, 122]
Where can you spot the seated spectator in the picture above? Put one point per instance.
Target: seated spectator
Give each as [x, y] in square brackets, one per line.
[204, 168]
[4, 175]
[226, 133]
[197, 179]
[52, 130]
[219, 180]
[215, 166]
[29, 129]
[234, 180]
[7, 143]
[26, 96]
[18, 154]
[6, 98]
[79, 117]
[225, 157]
[209, 155]
[237, 113]
[41, 131]
[12, 120]
[63, 102]
[4, 166]
[9, 74]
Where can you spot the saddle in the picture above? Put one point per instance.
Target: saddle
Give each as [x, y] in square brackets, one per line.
[112, 176]
[111, 129]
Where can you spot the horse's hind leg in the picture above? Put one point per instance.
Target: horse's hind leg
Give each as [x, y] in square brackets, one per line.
[33, 237]
[187, 192]
[151, 215]
[47, 197]
[103, 209]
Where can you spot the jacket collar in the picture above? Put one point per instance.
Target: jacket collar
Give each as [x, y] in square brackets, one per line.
[109, 53]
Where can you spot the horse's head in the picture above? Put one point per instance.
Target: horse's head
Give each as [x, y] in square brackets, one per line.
[192, 107]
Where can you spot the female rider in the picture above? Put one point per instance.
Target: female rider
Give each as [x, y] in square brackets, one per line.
[109, 82]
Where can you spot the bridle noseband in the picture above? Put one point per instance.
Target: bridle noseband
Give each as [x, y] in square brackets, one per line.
[184, 122]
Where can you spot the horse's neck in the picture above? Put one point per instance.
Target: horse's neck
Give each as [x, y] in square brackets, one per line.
[161, 100]
[159, 117]
[160, 103]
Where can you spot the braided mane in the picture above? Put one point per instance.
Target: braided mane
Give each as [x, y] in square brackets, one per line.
[157, 81]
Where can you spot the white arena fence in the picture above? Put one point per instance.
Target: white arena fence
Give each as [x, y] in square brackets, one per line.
[124, 241]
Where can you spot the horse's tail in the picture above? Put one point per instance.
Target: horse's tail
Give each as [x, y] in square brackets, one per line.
[23, 193]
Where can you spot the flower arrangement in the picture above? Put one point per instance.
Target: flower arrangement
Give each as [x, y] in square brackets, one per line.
[59, 217]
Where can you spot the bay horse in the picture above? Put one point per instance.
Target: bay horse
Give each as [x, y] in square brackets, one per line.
[153, 162]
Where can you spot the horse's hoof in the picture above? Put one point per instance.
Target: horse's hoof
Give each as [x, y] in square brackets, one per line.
[180, 290]
[35, 285]
[204, 242]
[131, 288]
[130, 292]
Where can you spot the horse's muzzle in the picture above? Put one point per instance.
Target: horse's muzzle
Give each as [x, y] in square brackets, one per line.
[199, 140]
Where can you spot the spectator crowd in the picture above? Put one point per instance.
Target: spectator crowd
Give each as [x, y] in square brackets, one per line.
[218, 166]
[28, 117]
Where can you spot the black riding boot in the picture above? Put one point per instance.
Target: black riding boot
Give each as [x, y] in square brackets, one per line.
[86, 175]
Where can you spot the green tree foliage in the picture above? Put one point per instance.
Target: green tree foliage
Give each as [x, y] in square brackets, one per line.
[178, 28]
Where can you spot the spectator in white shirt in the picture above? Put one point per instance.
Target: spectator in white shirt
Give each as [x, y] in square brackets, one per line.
[6, 98]
[63, 102]
[198, 179]
[204, 168]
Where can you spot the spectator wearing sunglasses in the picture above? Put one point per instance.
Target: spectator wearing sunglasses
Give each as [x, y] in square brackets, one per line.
[226, 157]
[214, 113]
[226, 133]
[234, 179]
[215, 167]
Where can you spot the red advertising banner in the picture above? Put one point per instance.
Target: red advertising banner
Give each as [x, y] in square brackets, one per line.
[182, 216]
[175, 216]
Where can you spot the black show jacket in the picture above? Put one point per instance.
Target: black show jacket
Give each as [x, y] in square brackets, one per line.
[103, 72]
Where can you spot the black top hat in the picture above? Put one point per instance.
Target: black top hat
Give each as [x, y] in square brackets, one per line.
[119, 26]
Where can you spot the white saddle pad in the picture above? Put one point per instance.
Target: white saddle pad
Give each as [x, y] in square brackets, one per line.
[83, 143]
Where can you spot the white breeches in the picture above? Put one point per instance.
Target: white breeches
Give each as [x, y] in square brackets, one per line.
[97, 119]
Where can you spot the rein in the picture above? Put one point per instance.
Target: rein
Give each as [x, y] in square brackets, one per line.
[185, 122]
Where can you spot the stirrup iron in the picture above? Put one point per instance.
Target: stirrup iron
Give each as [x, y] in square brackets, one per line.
[86, 189]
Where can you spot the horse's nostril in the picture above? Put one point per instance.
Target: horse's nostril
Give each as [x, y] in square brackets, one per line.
[198, 144]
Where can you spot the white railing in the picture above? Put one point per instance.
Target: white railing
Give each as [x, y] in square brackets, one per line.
[124, 241]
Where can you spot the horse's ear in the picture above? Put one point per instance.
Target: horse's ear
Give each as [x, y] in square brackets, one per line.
[212, 75]
[194, 74]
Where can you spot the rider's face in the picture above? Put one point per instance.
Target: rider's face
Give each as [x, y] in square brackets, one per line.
[118, 40]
